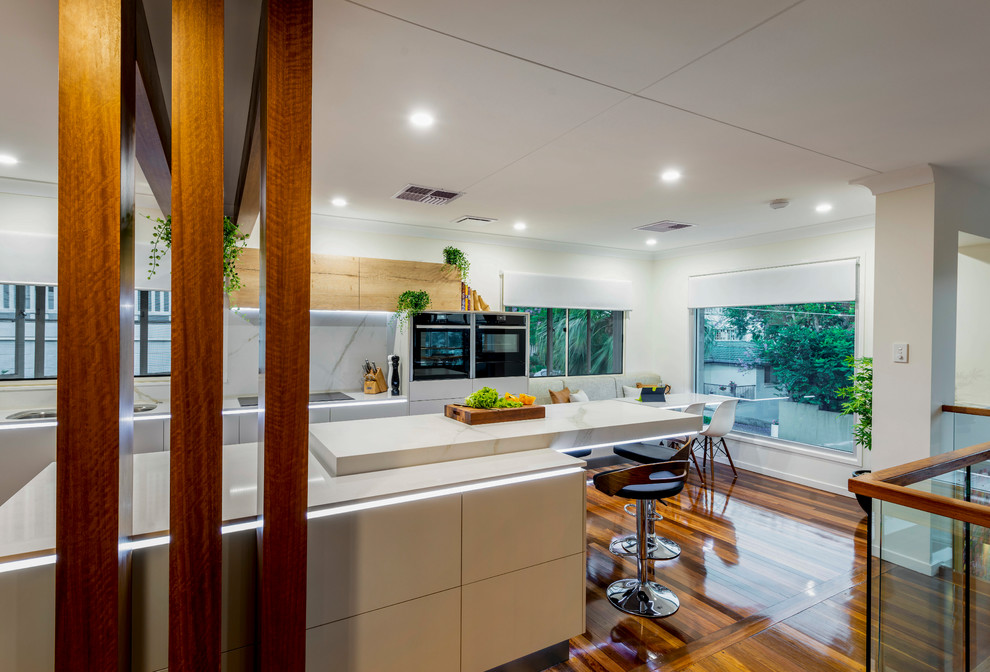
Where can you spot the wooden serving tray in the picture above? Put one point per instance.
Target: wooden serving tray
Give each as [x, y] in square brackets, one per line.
[484, 416]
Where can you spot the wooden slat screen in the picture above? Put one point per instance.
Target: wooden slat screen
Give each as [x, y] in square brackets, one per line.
[96, 322]
[285, 298]
[195, 552]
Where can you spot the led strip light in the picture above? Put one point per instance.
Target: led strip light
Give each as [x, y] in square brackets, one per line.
[164, 539]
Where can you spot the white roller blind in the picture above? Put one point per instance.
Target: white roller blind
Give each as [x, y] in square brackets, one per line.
[803, 283]
[552, 291]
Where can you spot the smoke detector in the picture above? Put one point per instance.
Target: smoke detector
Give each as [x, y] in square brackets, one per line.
[664, 226]
[778, 203]
[428, 195]
[472, 219]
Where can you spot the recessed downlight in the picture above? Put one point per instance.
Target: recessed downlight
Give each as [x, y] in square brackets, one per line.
[8, 160]
[519, 226]
[338, 201]
[421, 119]
[823, 207]
[670, 175]
[651, 241]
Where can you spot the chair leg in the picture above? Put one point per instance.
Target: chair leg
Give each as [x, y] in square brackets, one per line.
[694, 458]
[640, 596]
[725, 449]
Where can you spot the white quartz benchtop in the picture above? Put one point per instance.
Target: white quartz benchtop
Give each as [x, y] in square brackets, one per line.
[27, 520]
[231, 406]
[361, 446]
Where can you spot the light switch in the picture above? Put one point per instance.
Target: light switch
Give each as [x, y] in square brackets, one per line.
[900, 353]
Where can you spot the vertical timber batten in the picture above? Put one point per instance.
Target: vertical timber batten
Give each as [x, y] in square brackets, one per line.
[95, 351]
[285, 289]
[195, 551]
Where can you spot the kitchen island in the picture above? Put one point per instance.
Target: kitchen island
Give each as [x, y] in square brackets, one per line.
[441, 558]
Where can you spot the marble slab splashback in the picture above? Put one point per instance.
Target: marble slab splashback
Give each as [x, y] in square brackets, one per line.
[340, 341]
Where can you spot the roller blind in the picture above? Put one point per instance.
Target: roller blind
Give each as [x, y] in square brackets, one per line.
[552, 291]
[802, 283]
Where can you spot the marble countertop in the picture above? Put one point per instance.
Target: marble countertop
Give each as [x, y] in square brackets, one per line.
[231, 406]
[359, 446]
[27, 520]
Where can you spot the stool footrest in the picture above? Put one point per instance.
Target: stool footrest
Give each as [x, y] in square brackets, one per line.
[642, 598]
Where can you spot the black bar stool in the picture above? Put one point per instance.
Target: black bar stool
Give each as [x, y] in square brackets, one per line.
[645, 483]
[658, 547]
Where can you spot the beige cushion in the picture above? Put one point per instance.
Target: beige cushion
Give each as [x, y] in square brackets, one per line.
[579, 395]
[596, 387]
[540, 388]
[560, 396]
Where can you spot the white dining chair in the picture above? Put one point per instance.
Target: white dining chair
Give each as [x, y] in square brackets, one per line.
[712, 437]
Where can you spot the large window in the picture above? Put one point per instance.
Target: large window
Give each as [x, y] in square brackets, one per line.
[787, 364]
[571, 342]
[29, 332]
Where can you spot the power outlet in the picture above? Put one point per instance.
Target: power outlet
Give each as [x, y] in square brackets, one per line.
[900, 353]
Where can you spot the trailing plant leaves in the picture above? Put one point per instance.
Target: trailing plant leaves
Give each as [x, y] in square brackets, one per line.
[455, 258]
[234, 243]
[410, 304]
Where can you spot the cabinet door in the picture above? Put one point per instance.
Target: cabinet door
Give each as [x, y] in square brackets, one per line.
[434, 406]
[368, 411]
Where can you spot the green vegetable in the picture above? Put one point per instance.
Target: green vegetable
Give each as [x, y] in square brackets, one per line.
[507, 403]
[486, 397]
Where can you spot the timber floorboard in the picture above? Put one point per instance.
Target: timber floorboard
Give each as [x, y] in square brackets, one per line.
[770, 578]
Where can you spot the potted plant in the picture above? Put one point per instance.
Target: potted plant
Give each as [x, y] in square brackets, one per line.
[410, 304]
[455, 258]
[234, 243]
[860, 404]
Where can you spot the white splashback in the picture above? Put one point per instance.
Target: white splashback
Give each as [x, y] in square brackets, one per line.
[340, 341]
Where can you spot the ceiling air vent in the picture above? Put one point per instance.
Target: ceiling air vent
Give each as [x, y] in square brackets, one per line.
[471, 219]
[664, 226]
[413, 192]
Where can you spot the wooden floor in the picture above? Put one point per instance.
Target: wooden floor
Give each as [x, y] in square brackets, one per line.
[770, 578]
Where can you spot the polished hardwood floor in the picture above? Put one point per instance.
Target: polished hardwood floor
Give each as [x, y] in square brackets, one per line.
[770, 578]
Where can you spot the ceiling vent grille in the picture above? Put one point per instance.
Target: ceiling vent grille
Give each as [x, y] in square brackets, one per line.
[418, 194]
[664, 226]
[471, 219]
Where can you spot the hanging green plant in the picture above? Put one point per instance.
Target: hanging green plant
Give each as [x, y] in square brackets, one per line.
[455, 258]
[410, 304]
[234, 243]
[860, 395]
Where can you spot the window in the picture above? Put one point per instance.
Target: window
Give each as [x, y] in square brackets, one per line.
[573, 342]
[787, 362]
[29, 333]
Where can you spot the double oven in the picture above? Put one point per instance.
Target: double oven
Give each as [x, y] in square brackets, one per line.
[469, 345]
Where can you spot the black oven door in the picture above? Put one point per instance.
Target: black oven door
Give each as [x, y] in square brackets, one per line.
[500, 346]
[441, 347]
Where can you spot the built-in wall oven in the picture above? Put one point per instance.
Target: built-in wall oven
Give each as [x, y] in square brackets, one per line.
[441, 346]
[501, 343]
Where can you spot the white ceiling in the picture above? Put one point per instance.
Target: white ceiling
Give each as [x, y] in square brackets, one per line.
[562, 113]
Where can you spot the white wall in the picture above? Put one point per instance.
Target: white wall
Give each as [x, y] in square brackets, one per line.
[973, 325]
[673, 342]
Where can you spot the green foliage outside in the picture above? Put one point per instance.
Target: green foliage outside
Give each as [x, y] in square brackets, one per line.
[569, 341]
[860, 400]
[807, 346]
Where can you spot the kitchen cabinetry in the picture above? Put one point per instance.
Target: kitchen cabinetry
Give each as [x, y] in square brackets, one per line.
[358, 283]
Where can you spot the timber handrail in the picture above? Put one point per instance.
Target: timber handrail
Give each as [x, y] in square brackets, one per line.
[965, 410]
[890, 485]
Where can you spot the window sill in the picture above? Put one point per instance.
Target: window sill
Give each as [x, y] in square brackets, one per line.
[854, 459]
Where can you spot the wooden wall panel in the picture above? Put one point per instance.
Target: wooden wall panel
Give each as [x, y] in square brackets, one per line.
[335, 283]
[96, 318]
[285, 301]
[382, 280]
[196, 439]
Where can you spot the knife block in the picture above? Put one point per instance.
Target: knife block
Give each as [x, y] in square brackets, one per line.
[374, 383]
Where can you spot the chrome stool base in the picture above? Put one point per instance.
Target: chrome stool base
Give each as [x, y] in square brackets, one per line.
[642, 598]
[657, 547]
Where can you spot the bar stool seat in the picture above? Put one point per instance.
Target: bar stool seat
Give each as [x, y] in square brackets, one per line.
[644, 484]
